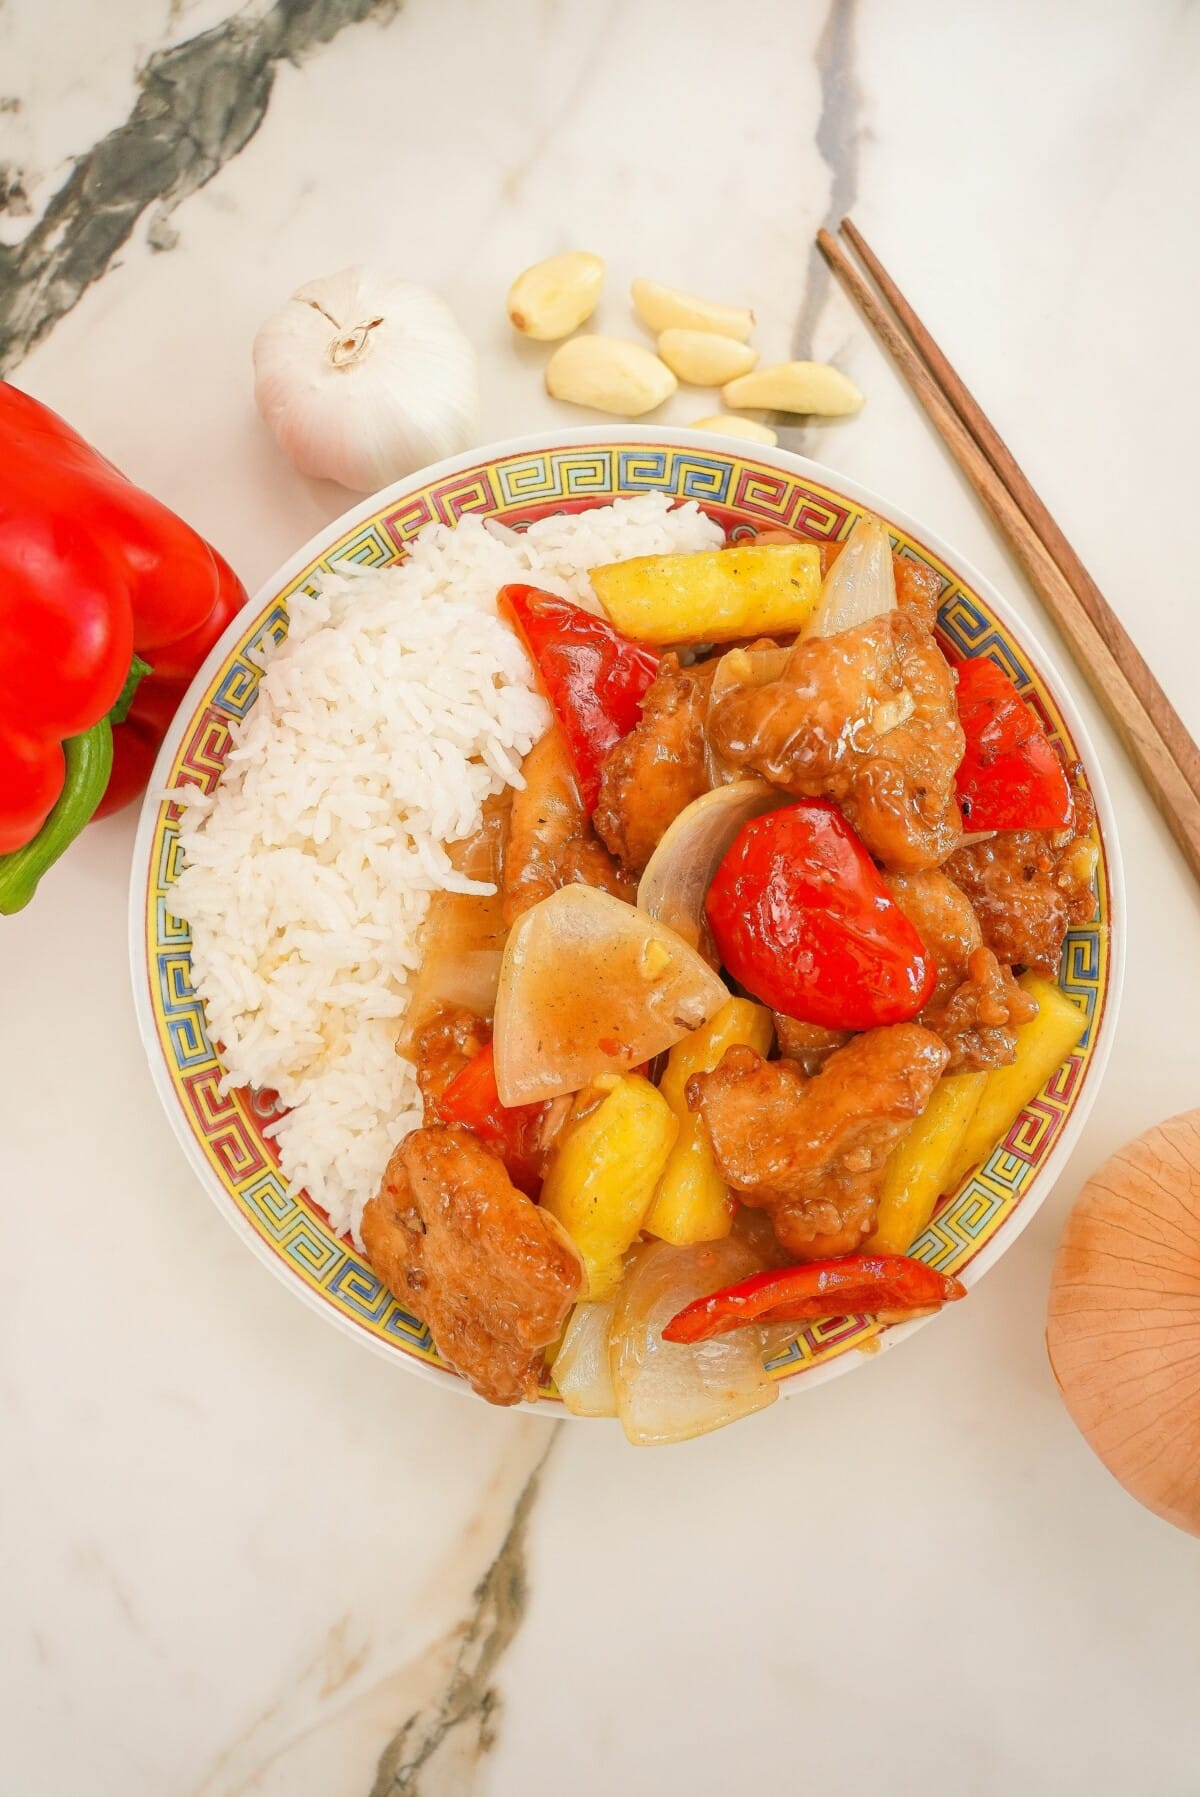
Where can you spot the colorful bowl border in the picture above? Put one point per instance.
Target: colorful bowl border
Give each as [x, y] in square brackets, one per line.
[518, 481]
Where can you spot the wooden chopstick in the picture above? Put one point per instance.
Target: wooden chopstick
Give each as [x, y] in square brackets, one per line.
[1167, 721]
[1102, 665]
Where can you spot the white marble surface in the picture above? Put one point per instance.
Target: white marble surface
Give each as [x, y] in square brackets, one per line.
[239, 1554]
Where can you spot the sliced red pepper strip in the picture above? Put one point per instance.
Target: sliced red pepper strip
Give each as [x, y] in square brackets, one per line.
[472, 1099]
[857, 1284]
[594, 677]
[1011, 777]
[802, 919]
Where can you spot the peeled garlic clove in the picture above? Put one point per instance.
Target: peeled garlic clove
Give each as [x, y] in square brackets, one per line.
[795, 387]
[703, 358]
[610, 375]
[666, 308]
[733, 426]
[554, 297]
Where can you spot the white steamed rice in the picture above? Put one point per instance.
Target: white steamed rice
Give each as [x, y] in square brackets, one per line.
[396, 705]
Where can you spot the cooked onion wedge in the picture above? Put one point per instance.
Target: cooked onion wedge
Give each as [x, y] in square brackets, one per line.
[861, 584]
[756, 666]
[680, 871]
[591, 985]
[581, 1370]
[462, 937]
[669, 1393]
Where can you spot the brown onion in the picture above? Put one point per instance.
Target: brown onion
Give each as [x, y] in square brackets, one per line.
[1123, 1325]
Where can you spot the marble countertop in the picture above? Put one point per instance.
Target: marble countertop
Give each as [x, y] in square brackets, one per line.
[242, 1558]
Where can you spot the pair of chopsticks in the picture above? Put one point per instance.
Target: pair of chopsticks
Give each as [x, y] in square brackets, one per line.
[1153, 733]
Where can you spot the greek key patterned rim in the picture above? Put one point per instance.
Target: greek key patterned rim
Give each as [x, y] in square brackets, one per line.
[517, 483]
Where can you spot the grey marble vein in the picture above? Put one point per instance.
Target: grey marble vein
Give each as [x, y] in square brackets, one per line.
[198, 103]
[838, 135]
[434, 1753]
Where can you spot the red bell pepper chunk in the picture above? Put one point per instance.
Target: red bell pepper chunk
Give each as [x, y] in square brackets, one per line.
[857, 1284]
[108, 605]
[802, 919]
[594, 677]
[1011, 777]
[472, 1099]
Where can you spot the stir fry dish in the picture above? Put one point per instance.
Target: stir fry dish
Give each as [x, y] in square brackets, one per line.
[760, 964]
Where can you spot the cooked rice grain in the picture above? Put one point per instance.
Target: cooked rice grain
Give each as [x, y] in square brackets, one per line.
[396, 705]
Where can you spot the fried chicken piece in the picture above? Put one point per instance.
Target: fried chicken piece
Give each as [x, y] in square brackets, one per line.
[492, 1275]
[918, 590]
[942, 917]
[551, 842]
[808, 1044]
[977, 1005]
[443, 1046]
[1029, 886]
[979, 1019]
[866, 718]
[659, 768]
[813, 1151]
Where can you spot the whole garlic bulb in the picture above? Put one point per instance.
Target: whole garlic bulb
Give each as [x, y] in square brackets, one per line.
[364, 379]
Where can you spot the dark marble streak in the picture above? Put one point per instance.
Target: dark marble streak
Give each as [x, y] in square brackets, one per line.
[838, 135]
[431, 1753]
[197, 105]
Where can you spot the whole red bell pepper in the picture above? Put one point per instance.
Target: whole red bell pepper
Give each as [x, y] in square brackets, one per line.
[472, 1099]
[108, 605]
[855, 1285]
[1011, 777]
[594, 677]
[801, 918]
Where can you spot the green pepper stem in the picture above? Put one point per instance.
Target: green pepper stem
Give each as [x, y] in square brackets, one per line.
[138, 669]
[89, 763]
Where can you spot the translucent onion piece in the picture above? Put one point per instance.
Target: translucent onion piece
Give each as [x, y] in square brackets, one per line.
[740, 667]
[581, 1370]
[861, 584]
[591, 985]
[666, 1392]
[462, 937]
[466, 977]
[680, 871]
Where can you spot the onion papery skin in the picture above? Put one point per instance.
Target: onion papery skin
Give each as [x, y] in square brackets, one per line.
[1123, 1322]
